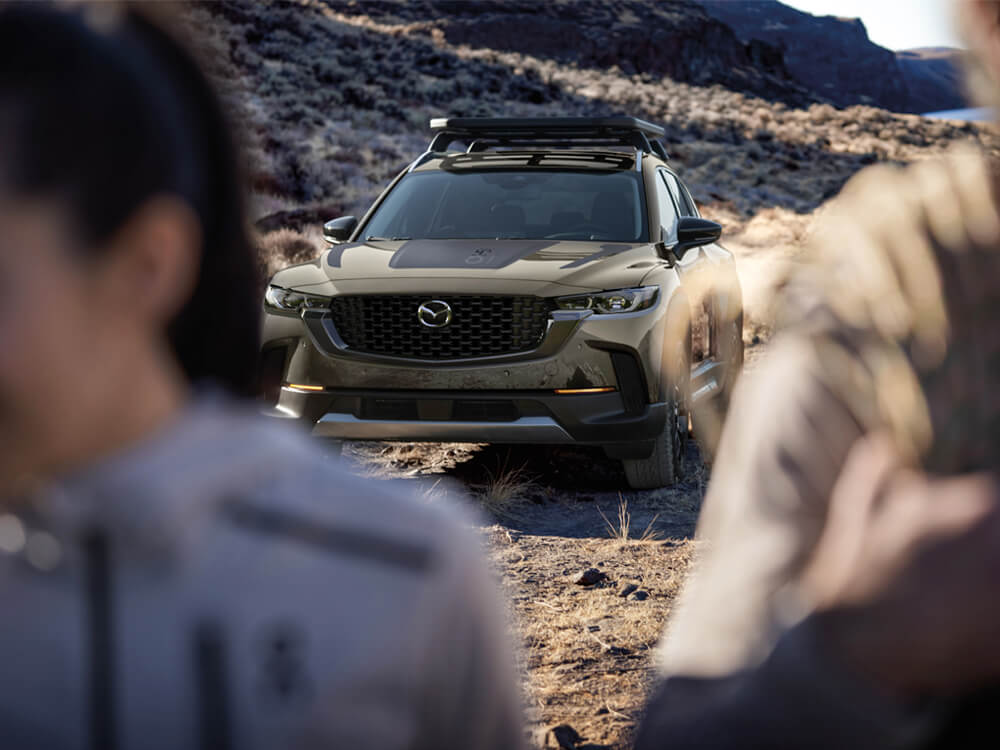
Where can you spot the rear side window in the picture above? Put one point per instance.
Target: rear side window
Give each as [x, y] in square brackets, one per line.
[598, 206]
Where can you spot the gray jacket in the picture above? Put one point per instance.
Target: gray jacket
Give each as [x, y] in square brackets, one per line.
[226, 584]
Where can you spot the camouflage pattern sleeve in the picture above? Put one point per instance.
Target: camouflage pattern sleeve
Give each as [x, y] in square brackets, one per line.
[901, 305]
[893, 326]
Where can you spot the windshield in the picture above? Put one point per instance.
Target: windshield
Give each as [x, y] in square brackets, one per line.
[605, 206]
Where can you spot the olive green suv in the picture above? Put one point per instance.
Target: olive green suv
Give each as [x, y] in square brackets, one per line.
[551, 282]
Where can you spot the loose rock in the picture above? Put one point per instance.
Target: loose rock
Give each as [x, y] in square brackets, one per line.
[590, 577]
[640, 595]
[627, 589]
[564, 736]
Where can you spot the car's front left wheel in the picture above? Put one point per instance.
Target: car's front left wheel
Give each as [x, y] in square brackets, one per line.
[666, 464]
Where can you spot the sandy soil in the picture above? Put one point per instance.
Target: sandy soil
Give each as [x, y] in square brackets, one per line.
[550, 515]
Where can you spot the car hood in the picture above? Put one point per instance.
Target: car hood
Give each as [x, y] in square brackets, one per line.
[541, 267]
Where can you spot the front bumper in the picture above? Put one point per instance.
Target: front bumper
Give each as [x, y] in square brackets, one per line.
[479, 417]
[505, 399]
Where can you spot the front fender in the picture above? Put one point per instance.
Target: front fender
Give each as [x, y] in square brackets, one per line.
[674, 323]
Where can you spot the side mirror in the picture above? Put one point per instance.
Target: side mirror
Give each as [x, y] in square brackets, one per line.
[339, 230]
[694, 232]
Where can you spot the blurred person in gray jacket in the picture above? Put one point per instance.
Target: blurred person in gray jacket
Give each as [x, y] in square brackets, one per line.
[174, 572]
[847, 594]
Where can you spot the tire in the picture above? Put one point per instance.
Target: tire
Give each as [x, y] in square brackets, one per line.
[666, 465]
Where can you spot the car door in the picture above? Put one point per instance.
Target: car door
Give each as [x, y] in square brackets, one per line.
[694, 267]
[710, 277]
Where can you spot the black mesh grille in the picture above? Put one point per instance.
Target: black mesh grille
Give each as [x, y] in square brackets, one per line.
[481, 326]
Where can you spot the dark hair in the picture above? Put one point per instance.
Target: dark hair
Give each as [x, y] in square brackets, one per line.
[102, 108]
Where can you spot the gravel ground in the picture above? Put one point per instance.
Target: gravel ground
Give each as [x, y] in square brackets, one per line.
[552, 515]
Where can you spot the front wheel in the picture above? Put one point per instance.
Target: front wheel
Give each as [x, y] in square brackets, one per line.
[666, 465]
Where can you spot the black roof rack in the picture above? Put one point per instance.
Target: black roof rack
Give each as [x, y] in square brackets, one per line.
[592, 159]
[482, 133]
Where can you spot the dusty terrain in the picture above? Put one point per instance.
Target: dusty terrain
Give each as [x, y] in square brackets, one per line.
[551, 515]
[333, 99]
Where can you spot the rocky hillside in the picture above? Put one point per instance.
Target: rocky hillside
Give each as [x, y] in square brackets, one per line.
[676, 39]
[934, 76]
[834, 58]
[334, 98]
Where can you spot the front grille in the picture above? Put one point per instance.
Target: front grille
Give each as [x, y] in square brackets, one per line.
[481, 325]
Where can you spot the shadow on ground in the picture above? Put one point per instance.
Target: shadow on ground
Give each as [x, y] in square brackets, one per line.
[566, 491]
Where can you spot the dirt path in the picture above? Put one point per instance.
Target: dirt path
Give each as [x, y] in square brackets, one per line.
[555, 513]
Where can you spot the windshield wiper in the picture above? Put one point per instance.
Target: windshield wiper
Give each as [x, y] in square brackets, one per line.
[385, 239]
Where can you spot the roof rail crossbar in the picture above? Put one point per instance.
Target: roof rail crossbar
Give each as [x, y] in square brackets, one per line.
[458, 159]
[481, 133]
[482, 144]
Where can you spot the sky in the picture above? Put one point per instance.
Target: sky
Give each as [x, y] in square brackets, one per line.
[894, 24]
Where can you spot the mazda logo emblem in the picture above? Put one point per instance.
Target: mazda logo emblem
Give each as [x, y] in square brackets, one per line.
[434, 313]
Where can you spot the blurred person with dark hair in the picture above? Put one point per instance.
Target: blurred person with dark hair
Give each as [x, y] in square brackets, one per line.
[848, 593]
[175, 572]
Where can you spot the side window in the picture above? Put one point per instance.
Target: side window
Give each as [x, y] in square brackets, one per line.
[689, 203]
[667, 209]
[680, 195]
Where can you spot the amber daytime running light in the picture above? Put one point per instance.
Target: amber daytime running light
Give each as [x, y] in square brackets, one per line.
[300, 387]
[567, 391]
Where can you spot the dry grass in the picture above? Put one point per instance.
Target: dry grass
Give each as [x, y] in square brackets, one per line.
[621, 530]
[588, 650]
[505, 490]
[285, 247]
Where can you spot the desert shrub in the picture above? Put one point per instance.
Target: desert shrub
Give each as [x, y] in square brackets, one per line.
[284, 247]
[822, 113]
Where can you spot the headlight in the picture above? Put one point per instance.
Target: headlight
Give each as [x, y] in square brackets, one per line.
[616, 301]
[289, 301]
